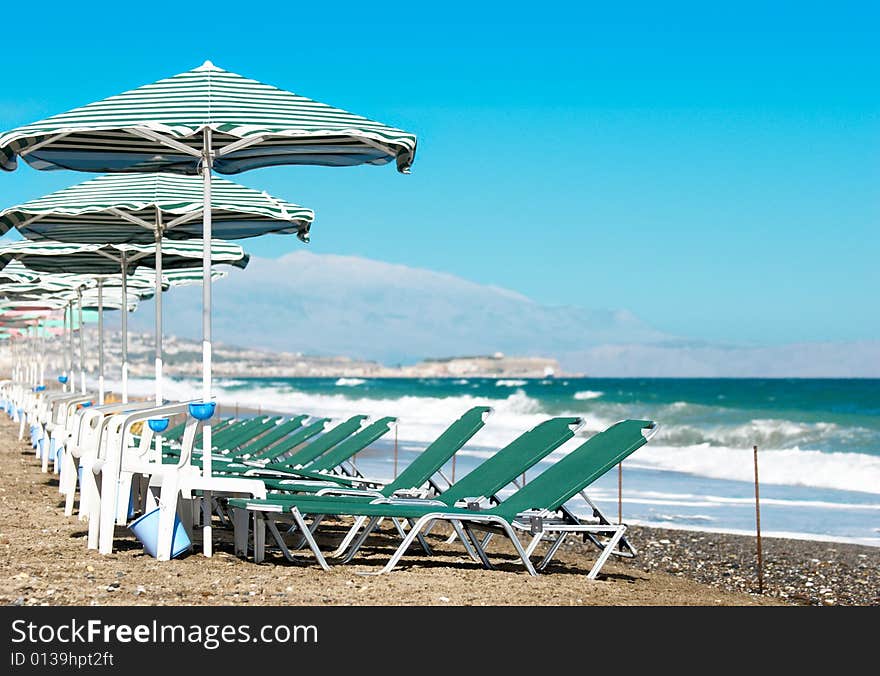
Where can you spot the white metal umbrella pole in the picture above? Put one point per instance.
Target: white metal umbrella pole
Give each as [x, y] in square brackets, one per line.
[82, 343]
[124, 328]
[207, 164]
[158, 301]
[71, 381]
[65, 356]
[100, 341]
[41, 352]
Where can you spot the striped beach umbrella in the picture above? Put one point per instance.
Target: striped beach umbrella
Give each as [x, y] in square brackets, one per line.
[150, 209]
[141, 208]
[205, 120]
[16, 273]
[98, 262]
[161, 127]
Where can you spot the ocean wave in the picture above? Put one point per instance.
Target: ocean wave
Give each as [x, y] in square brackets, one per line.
[587, 394]
[349, 382]
[703, 518]
[769, 433]
[421, 419]
[788, 467]
[229, 382]
[509, 383]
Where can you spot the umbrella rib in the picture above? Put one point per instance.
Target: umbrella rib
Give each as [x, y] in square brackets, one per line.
[131, 218]
[377, 145]
[164, 140]
[32, 219]
[191, 216]
[239, 145]
[37, 146]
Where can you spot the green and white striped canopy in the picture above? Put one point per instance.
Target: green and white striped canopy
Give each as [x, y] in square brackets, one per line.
[128, 208]
[16, 273]
[47, 285]
[157, 127]
[110, 298]
[191, 276]
[105, 259]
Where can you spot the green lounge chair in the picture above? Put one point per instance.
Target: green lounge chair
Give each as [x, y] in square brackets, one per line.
[338, 453]
[265, 441]
[532, 508]
[407, 484]
[486, 480]
[418, 473]
[300, 456]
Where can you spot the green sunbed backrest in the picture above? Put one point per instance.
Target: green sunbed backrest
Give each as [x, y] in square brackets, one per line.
[293, 440]
[493, 474]
[245, 436]
[227, 431]
[222, 426]
[278, 432]
[325, 442]
[175, 432]
[357, 442]
[440, 451]
[567, 476]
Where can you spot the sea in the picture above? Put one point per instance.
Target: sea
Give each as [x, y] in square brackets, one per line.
[818, 440]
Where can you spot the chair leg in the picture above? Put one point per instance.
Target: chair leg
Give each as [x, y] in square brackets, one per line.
[459, 533]
[362, 538]
[560, 538]
[476, 543]
[405, 545]
[259, 537]
[349, 537]
[609, 549]
[311, 540]
[240, 521]
[301, 540]
[517, 545]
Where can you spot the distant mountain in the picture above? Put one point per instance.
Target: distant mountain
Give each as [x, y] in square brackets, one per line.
[345, 305]
[326, 304]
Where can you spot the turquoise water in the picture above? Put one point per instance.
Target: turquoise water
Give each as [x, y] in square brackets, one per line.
[819, 440]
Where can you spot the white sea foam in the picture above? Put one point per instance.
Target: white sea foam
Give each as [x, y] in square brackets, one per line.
[509, 383]
[587, 394]
[349, 382]
[421, 419]
[789, 466]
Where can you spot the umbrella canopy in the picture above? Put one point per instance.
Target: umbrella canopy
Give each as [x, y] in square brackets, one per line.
[48, 285]
[16, 273]
[158, 127]
[133, 208]
[106, 259]
[110, 299]
[97, 262]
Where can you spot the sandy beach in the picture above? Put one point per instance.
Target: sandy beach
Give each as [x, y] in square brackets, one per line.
[45, 562]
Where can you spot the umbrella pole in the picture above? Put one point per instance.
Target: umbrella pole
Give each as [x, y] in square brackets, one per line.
[158, 302]
[207, 162]
[124, 327]
[82, 343]
[72, 380]
[41, 351]
[100, 341]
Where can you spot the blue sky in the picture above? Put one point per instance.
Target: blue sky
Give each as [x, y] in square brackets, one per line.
[714, 170]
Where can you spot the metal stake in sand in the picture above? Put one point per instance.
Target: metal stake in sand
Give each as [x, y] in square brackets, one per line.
[395, 451]
[758, 526]
[620, 492]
